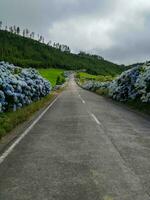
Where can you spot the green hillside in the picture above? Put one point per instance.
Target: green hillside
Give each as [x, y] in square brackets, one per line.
[23, 51]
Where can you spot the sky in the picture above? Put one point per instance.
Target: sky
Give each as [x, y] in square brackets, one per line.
[118, 30]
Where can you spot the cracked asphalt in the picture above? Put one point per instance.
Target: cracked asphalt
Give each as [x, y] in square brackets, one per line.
[84, 148]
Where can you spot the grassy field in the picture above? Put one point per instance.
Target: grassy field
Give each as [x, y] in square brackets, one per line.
[85, 76]
[51, 74]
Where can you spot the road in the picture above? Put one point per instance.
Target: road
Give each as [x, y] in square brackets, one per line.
[84, 148]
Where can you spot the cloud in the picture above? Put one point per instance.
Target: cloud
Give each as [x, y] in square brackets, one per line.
[116, 29]
[88, 32]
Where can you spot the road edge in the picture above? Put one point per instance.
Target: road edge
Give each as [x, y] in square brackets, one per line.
[22, 130]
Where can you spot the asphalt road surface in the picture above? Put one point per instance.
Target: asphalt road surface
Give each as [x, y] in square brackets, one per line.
[84, 148]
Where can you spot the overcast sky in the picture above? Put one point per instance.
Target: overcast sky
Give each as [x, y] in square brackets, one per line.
[119, 30]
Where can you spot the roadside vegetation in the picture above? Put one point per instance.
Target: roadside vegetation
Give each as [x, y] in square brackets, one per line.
[23, 91]
[55, 76]
[20, 87]
[132, 88]
[9, 120]
[87, 77]
[141, 107]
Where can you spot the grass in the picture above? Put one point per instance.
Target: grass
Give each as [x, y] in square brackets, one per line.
[139, 106]
[85, 77]
[51, 74]
[135, 105]
[103, 92]
[10, 120]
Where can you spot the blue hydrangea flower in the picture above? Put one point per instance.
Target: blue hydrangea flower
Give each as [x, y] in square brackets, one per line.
[19, 87]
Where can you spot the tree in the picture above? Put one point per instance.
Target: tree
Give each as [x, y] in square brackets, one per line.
[14, 29]
[65, 48]
[24, 33]
[57, 46]
[58, 81]
[38, 36]
[60, 46]
[54, 45]
[11, 29]
[49, 43]
[18, 30]
[1, 25]
[33, 34]
[40, 39]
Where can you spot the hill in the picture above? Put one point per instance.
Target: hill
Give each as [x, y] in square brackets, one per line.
[134, 65]
[23, 52]
[138, 64]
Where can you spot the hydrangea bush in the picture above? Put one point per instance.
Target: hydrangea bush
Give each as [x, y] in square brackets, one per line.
[20, 86]
[133, 84]
[123, 88]
[95, 85]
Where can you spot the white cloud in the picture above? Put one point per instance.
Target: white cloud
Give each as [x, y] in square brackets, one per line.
[122, 29]
[83, 32]
[119, 29]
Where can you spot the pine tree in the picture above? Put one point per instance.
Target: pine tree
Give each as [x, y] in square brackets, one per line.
[18, 30]
[1, 25]
[24, 33]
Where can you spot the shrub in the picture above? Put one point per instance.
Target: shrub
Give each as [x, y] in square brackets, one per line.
[60, 80]
[19, 87]
[133, 84]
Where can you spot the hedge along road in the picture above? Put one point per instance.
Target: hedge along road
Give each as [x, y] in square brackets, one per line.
[83, 148]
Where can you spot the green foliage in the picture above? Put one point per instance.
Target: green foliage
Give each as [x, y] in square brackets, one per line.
[139, 106]
[51, 75]
[60, 80]
[86, 77]
[25, 52]
[77, 75]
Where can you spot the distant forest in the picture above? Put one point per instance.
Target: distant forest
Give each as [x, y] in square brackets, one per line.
[24, 50]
